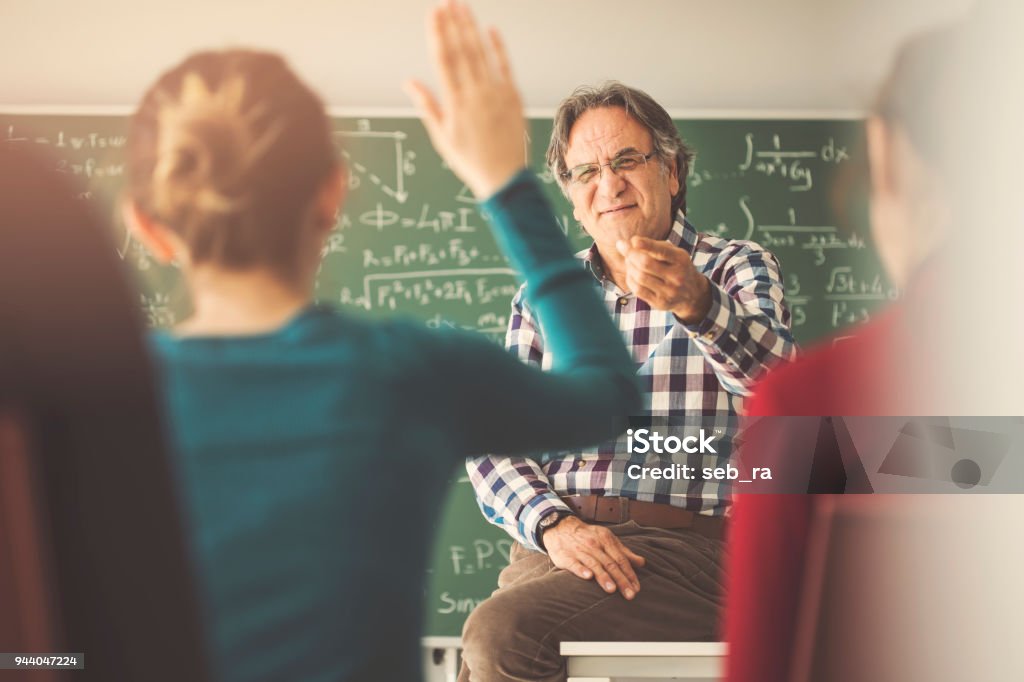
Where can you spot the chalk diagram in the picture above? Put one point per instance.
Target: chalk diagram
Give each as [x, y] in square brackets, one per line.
[375, 151]
[383, 162]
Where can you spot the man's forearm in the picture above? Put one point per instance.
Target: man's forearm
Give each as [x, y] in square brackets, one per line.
[513, 493]
[740, 342]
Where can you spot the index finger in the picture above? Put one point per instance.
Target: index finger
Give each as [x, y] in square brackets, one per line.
[657, 248]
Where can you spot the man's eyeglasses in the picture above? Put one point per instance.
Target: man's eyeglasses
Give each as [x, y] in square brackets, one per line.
[585, 173]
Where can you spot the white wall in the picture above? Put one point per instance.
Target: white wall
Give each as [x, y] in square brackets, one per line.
[759, 55]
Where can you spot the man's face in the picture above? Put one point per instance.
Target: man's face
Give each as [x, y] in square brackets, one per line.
[617, 206]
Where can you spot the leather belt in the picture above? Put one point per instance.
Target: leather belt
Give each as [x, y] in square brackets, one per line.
[598, 509]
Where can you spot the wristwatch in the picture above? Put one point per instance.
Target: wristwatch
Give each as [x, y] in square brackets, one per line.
[548, 522]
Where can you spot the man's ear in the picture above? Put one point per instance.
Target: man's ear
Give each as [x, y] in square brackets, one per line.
[673, 178]
[155, 237]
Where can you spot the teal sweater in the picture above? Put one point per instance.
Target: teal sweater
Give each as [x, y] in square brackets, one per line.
[314, 459]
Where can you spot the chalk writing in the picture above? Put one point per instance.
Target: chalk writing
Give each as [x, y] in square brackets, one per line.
[393, 182]
[481, 286]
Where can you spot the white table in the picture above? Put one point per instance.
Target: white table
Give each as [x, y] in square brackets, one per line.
[442, 657]
[627, 661]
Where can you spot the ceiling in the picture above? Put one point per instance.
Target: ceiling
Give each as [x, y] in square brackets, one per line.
[752, 56]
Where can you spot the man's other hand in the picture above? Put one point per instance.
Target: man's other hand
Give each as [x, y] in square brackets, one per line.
[591, 551]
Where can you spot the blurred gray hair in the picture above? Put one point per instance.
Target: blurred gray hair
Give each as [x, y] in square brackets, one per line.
[668, 145]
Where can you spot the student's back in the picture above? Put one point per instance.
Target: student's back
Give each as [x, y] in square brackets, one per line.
[315, 458]
[313, 487]
[315, 447]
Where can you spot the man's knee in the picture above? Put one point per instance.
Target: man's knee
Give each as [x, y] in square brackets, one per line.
[497, 618]
[508, 633]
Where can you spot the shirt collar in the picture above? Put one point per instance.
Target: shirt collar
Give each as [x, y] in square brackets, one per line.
[682, 234]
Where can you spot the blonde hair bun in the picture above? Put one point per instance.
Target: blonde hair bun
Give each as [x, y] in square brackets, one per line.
[228, 149]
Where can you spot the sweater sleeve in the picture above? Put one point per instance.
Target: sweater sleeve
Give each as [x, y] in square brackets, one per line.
[514, 492]
[496, 404]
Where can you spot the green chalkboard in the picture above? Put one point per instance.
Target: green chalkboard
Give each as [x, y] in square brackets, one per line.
[411, 242]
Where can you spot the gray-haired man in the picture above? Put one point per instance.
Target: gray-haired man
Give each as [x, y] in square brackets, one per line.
[703, 317]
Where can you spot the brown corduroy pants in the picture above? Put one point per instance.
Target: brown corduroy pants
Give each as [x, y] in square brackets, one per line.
[516, 633]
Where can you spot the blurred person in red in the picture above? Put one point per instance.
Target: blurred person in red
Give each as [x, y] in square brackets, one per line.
[948, 233]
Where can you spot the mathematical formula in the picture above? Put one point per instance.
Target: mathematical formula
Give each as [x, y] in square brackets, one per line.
[410, 239]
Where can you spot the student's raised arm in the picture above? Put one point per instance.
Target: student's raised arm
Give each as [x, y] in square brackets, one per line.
[501, 405]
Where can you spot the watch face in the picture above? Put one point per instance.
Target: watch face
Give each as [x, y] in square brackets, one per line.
[550, 520]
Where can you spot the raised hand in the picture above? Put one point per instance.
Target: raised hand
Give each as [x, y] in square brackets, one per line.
[477, 126]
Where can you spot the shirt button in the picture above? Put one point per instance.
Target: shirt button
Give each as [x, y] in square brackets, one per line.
[623, 301]
[709, 336]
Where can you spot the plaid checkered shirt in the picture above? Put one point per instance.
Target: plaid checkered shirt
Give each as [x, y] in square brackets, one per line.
[697, 372]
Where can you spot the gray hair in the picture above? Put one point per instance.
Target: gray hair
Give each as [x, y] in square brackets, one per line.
[668, 145]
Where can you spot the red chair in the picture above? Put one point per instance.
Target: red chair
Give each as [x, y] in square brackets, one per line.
[27, 625]
[93, 558]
